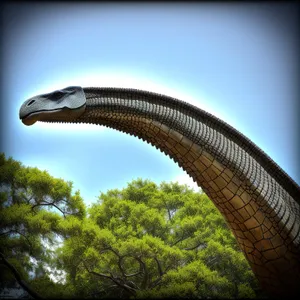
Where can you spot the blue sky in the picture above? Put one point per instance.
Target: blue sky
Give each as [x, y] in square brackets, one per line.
[239, 62]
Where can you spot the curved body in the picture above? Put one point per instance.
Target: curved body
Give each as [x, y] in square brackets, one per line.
[259, 201]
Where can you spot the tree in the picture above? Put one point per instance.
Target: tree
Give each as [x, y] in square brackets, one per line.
[33, 207]
[142, 241]
[150, 241]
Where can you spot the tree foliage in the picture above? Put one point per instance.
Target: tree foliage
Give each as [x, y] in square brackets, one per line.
[142, 241]
[33, 207]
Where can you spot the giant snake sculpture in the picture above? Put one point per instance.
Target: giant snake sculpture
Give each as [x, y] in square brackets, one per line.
[258, 200]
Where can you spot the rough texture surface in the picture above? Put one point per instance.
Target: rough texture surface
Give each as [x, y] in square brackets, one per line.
[259, 201]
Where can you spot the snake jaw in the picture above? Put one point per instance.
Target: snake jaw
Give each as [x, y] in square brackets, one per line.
[62, 105]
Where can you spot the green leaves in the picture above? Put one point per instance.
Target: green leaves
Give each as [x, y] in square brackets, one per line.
[33, 208]
[157, 241]
[143, 241]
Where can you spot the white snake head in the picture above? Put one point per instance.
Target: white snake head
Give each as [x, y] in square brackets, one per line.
[61, 105]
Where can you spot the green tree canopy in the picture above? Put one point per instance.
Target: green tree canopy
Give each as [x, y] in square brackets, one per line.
[33, 208]
[150, 241]
[142, 241]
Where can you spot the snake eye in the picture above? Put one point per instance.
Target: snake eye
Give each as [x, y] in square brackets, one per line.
[31, 102]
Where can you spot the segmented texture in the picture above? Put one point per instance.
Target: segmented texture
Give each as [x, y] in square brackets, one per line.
[259, 201]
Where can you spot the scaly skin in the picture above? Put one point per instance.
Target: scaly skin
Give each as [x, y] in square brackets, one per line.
[258, 200]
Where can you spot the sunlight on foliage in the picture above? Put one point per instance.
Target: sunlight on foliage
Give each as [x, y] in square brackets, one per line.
[142, 241]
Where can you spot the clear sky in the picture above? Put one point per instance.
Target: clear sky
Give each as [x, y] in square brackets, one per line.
[237, 61]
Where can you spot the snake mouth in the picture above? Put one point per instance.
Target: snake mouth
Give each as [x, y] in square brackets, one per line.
[56, 115]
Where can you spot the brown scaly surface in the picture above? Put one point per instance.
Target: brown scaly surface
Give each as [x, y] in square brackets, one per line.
[259, 201]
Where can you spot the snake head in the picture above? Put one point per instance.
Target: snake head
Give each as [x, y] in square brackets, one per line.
[59, 106]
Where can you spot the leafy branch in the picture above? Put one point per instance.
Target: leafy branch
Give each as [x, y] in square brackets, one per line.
[19, 279]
